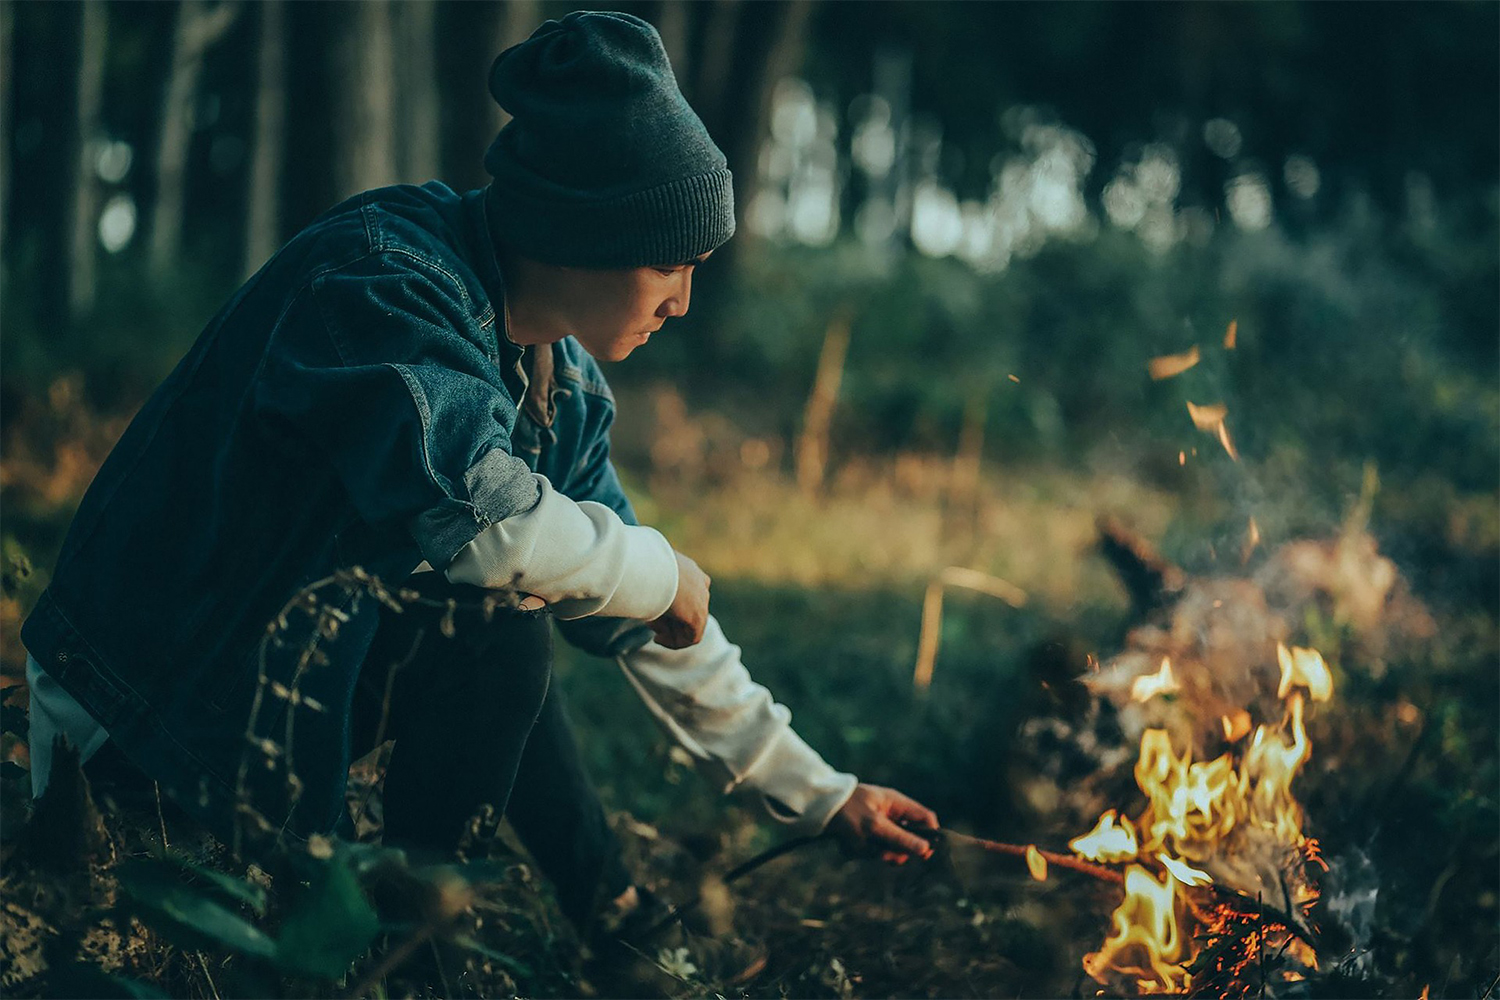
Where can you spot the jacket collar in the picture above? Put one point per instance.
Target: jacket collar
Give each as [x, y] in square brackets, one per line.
[538, 363]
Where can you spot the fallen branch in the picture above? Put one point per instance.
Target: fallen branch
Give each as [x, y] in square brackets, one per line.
[932, 613]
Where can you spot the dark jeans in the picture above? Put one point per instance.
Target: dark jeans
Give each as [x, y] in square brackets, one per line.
[476, 721]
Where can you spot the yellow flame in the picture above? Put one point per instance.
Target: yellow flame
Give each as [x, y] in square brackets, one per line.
[1107, 842]
[1303, 668]
[1172, 364]
[1147, 944]
[1183, 873]
[1035, 863]
[1149, 686]
[1191, 806]
[1192, 810]
[1230, 335]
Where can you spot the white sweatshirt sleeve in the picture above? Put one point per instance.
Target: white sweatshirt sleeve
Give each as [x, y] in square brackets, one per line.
[579, 557]
[735, 731]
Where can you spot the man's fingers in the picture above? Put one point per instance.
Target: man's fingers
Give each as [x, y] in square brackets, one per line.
[884, 830]
[909, 809]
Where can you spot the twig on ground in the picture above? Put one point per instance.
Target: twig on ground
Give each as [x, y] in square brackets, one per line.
[160, 816]
[203, 961]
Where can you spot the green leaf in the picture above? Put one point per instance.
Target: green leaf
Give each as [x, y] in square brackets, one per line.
[186, 914]
[331, 925]
[235, 890]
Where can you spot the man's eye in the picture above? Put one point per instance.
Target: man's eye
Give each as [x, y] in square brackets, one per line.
[668, 271]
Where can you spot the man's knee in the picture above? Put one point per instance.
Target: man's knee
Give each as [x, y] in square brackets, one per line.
[505, 654]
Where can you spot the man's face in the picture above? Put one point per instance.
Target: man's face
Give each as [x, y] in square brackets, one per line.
[615, 311]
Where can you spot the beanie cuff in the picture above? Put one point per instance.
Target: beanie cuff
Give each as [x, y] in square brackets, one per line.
[670, 223]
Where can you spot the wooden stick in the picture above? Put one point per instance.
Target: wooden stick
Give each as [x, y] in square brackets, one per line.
[1110, 875]
[1019, 851]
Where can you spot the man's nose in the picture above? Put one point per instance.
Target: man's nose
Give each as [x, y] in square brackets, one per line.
[677, 303]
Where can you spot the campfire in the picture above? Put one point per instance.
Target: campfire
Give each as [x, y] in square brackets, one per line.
[1218, 876]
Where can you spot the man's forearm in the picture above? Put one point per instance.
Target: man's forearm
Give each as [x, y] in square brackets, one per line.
[737, 733]
[578, 557]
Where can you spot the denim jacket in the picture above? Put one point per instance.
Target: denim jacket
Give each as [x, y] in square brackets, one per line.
[356, 402]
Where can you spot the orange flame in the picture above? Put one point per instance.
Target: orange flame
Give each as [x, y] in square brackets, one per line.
[1147, 945]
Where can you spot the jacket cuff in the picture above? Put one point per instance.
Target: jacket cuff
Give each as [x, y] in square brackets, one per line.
[799, 787]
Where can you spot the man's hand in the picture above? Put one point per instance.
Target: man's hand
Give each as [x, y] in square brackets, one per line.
[685, 620]
[868, 823]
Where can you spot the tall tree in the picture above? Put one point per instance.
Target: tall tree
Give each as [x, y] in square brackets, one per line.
[671, 22]
[365, 111]
[199, 25]
[93, 44]
[518, 20]
[418, 132]
[715, 59]
[263, 224]
[7, 68]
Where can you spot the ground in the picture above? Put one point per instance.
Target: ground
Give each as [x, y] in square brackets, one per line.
[824, 592]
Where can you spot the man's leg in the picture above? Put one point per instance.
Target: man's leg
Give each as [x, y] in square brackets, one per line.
[460, 709]
[557, 814]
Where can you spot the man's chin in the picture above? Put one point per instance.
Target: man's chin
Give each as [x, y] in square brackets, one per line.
[618, 350]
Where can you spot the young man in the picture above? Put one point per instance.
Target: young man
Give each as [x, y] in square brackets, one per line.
[410, 386]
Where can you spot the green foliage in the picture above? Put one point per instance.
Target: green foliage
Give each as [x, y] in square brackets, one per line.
[190, 916]
[330, 925]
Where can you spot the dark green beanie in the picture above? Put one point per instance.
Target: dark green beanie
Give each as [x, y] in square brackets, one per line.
[603, 164]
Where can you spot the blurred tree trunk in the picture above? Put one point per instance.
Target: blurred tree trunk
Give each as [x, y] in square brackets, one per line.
[518, 19]
[715, 62]
[263, 226]
[418, 135]
[199, 26]
[752, 47]
[7, 68]
[83, 246]
[817, 417]
[671, 22]
[365, 106]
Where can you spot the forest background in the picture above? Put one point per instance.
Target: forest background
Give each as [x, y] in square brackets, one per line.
[965, 229]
